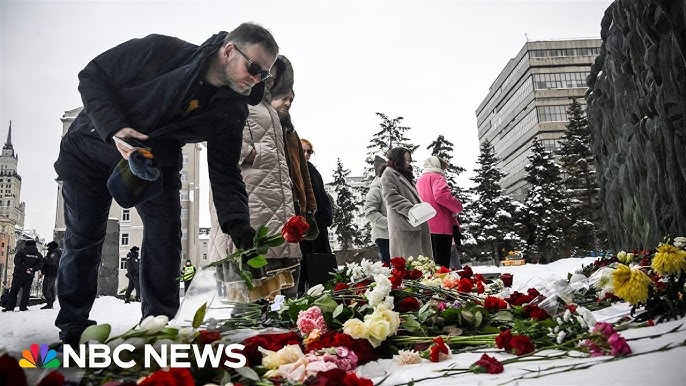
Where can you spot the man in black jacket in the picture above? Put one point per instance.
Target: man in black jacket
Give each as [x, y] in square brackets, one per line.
[132, 272]
[164, 92]
[26, 262]
[49, 270]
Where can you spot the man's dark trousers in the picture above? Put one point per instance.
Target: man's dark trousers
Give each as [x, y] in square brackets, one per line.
[49, 288]
[86, 210]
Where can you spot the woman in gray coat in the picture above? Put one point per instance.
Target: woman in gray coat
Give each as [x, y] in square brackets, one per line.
[400, 194]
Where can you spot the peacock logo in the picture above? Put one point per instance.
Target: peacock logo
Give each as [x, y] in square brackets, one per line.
[39, 357]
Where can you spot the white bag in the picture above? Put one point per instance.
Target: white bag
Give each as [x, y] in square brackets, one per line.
[420, 213]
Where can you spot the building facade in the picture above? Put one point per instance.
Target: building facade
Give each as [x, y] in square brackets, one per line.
[12, 209]
[529, 99]
[130, 223]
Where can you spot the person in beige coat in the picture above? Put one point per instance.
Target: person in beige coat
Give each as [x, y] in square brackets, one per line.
[264, 167]
[400, 194]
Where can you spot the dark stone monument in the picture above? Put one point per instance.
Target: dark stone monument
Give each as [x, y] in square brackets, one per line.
[108, 274]
[636, 112]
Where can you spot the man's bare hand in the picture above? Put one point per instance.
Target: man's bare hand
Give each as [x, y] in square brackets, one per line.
[128, 132]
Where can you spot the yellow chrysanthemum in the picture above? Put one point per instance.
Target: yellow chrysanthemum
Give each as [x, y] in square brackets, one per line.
[669, 260]
[630, 284]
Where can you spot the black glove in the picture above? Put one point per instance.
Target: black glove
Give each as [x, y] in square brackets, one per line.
[241, 233]
[457, 235]
[313, 231]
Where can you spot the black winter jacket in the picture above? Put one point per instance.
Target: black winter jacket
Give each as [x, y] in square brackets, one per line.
[324, 213]
[144, 84]
[132, 265]
[51, 262]
[27, 262]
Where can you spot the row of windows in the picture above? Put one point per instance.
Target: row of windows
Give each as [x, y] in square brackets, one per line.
[125, 238]
[513, 102]
[126, 214]
[561, 80]
[564, 52]
[518, 131]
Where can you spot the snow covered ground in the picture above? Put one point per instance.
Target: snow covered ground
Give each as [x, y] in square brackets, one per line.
[18, 330]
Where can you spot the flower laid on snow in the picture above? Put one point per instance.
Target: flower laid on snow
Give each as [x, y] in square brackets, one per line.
[487, 364]
[407, 357]
[438, 351]
[630, 284]
[669, 260]
[606, 341]
[516, 344]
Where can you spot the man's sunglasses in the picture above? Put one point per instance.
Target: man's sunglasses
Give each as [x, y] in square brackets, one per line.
[254, 68]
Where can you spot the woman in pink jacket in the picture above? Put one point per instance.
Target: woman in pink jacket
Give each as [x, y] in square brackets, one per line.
[433, 189]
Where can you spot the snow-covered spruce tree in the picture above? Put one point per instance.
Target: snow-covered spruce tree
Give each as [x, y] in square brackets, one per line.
[344, 211]
[391, 135]
[442, 148]
[547, 207]
[587, 231]
[492, 217]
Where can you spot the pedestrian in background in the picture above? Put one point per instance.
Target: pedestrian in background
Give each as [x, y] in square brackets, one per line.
[133, 273]
[323, 217]
[27, 261]
[187, 275]
[49, 271]
[375, 211]
[434, 190]
[400, 195]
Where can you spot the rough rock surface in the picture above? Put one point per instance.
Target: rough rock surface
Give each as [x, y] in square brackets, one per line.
[636, 111]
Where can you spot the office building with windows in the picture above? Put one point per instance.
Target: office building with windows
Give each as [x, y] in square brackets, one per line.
[529, 99]
[130, 223]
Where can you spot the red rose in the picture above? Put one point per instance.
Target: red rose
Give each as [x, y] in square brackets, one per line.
[464, 285]
[159, 378]
[361, 347]
[521, 344]
[11, 372]
[338, 377]
[437, 348]
[535, 312]
[503, 340]
[466, 272]
[414, 274]
[493, 303]
[294, 229]
[208, 336]
[273, 342]
[533, 292]
[54, 378]
[507, 279]
[340, 287]
[487, 364]
[408, 304]
[443, 269]
[518, 299]
[480, 287]
[398, 262]
[571, 308]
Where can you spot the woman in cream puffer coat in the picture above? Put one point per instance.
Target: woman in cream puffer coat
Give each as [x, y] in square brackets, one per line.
[270, 199]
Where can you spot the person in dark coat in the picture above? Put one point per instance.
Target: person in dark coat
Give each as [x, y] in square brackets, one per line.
[132, 272]
[49, 270]
[323, 216]
[27, 262]
[164, 92]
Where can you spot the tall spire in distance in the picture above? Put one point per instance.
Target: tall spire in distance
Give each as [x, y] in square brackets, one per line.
[8, 143]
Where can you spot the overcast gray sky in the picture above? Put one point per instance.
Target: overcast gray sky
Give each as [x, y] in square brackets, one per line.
[430, 61]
